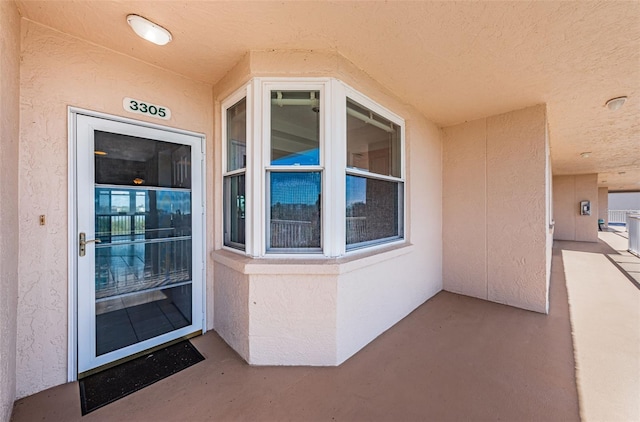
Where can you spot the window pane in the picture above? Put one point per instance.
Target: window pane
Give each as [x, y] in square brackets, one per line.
[128, 160]
[237, 136]
[295, 210]
[373, 142]
[374, 210]
[295, 127]
[234, 211]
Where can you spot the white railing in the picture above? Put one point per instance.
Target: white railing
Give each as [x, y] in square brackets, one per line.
[620, 216]
[633, 226]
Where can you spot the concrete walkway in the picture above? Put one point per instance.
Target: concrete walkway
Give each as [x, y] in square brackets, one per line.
[604, 305]
[453, 359]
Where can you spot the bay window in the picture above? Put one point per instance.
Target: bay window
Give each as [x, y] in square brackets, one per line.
[311, 167]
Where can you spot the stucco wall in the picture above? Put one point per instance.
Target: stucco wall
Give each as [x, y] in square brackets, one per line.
[59, 71]
[9, 235]
[231, 315]
[465, 209]
[568, 191]
[496, 211]
[325, 318]
[603, 205]
[290, 324]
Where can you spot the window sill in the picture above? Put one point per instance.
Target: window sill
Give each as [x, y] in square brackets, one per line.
[302, 266]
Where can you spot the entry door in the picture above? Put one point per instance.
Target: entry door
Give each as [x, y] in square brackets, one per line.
[139, 243]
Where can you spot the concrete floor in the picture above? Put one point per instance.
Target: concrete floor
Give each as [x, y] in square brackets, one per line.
[454, 358]
[604, 305]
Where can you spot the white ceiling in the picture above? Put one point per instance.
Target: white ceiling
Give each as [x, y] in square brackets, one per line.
[453, 61]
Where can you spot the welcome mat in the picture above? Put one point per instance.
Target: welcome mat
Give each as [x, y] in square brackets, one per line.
[105, 387]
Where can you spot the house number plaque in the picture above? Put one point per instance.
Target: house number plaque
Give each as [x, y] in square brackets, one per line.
[142, 107]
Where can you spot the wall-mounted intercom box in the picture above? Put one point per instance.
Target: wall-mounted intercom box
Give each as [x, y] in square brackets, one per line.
[585, 207]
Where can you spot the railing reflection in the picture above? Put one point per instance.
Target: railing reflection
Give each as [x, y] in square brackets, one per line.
[119, 225]
[133, 258]
[356, 230]
[291, 234]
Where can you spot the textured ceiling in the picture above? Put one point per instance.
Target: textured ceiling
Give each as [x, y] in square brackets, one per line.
[453, 61]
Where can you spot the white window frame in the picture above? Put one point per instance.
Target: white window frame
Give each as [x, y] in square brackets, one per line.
[295, 84]
[242, 93]
[332, 164]
[367, 102]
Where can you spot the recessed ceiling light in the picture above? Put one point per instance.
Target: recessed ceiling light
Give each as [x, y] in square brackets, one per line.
[615, 103]
[585, 154]
[149, 30]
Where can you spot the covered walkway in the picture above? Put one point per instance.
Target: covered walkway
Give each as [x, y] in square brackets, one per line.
[454, 358]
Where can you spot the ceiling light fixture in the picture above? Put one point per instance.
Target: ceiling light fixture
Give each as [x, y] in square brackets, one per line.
[97, 152]
[149, 30]
[615, 103]
[585, 154]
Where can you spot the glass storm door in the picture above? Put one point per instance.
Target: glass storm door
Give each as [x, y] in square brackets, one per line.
[139, 238]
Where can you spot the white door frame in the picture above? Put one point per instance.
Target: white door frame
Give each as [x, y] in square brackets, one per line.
[73, 112]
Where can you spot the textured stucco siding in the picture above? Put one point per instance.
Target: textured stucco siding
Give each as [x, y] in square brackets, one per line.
[9, 215]
[568, 192]
[587, 225]
[292, 319]
[516, 209]
[565, 209]
[231, 315]
[603, 205]
[465, 209]
[496, 211]
[58, 71]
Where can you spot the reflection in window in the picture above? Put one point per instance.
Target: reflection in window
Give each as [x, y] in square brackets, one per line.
[237, 136]
[127, 160]
[294, 167]
[295, 127]
[374, 212]
[133, 214]
[373, 142]
[294, 210]
[234, 211]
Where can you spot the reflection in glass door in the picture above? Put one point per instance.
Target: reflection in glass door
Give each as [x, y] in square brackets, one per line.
[141, 251]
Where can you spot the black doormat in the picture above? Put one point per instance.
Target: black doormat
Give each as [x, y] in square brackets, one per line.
[105, 387]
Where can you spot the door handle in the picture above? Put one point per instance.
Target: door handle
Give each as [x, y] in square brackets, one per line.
[83, 243]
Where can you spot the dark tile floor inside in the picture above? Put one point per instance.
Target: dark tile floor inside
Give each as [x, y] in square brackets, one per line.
[126, 326]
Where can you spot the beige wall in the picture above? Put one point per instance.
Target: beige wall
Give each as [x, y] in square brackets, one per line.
[9, 132]
[331, 315]
[495, 240]
[58, 71]
[603, 205]
[568, 191]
